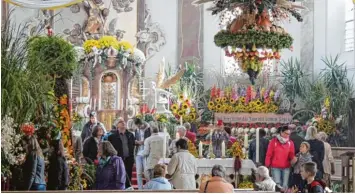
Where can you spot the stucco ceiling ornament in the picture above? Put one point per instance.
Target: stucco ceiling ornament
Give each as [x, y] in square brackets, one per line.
[151, 37]
[122, 5]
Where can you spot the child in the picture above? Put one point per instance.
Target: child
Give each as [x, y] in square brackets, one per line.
[308, 173]
[301, 158]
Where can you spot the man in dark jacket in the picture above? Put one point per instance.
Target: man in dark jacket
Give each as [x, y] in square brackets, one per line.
[89, 126]
[263, 145]
[123, 141]
[297, 139]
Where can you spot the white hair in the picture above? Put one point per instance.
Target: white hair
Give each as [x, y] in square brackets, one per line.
[218, 170]
[311, 133]
[263, 171]
[181, 128]
[322, 136]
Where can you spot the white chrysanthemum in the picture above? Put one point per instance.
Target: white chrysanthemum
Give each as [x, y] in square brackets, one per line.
[9, 140]
[273, 130]
[138, 55]
[240, 130]
[246, 130]
[252, 130]
[266, 130]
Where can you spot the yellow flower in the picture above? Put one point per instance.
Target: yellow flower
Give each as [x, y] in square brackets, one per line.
[218, 106]
[210, 103]
[175, 112]
[224, 99]
[125, 45]
[108, 41]
[258, 103]
[232, 101]
[181, 113]
[89, 44]
[184, 106]
[174, 107]
[242, 99]
[218, 100]
[193, 116]
[181, 97]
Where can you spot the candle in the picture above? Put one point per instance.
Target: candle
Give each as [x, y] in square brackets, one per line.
[164, 145]
[223, 149]
[246, 141]
[257, 144]
[181, 120]
[200, 149]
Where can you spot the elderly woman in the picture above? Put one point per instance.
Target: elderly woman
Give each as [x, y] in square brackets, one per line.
[328, 161]
[317, 150]
[181, 130]
[280, 153]
[263, 180]
[92, 143]
[159, 182]
[110, 173]
[217, 184]
[182, 167]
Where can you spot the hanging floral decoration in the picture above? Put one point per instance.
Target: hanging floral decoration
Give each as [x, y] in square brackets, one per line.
[250, 33]
[184, 108]
[64, 123]
[325, 121]
[232, 99]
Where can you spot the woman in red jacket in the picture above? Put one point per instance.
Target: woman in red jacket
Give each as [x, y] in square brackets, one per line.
[280, 153]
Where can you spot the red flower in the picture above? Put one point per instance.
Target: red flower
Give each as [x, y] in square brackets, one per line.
[28, 129]
[96, 162]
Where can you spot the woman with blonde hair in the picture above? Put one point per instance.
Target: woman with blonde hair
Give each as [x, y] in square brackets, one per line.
[328, 161]
[159, 182]
[33, 169]
[316, 150]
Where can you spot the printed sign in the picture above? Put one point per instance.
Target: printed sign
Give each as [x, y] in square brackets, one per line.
[253, 117]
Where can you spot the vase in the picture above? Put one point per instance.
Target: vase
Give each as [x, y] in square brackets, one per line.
[111, 62]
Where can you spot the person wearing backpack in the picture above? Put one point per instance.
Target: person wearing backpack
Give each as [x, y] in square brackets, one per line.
[110, 173]
[280, 153]
[308, 173]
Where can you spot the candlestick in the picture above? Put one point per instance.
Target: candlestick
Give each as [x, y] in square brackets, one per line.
[164, 145]
[223, 149]
[200, 149]
[181, 120]
[246, 141]
[257, 145]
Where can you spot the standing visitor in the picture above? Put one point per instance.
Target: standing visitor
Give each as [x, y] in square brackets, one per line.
[217, 184]
[88, 127]
[182, 167]
[190, 135]
[142, 133]
[123, 141]
[328, 161]
[263, 145]
[33, 168]
[297, 139]
[110, 173]
[219, 136]
[92, 143]
[117, 124]
[153, 150]
[159, 182]
[181, 130]
[280, 153]
[58, 171]
[301, 158]
[77, 147]
[317, 150]
[308, 172]
[263, 180]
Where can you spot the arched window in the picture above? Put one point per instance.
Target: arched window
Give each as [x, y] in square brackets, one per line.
[110, 91]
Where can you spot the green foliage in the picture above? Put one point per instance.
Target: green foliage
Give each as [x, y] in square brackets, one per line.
[23, 87]
[294, 78]
[58, 54]
[260, 38]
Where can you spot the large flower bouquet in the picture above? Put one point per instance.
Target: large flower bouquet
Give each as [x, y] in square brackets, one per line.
[184, 108]
[192, 148]
[250, 100]
[236, 151]
[325, 121]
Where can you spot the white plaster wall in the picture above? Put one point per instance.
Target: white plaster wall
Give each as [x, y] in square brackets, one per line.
[165, 13]
[293, 27]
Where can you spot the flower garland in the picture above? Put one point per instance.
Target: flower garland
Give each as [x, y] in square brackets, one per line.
[232, 100]
[184, 108]
[63, 122]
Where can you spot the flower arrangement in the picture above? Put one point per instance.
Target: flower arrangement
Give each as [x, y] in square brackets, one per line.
[184, 108]
[192, 148]
[89, 44]
[161, 118]
[246, 185]
[236, 150]
[28, 129]
[75, 171]
[325, 121]
[63, 122]
[249, 100]
[10, 141]
[107, 42]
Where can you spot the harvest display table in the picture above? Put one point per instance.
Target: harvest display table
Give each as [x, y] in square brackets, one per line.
[204, 166]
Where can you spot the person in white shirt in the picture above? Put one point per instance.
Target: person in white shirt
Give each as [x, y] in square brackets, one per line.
[328, 161]
[263, 180]
[181, 130]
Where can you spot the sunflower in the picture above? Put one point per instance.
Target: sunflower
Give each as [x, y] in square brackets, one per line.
[175, 112]
[174, 107]
[181, 97]
[193, 110]
[258, 103]
[218, 106]
[193, 116]
[242, 99]
[218, 100]
[181, 113]
[224, 99]
[184, 106]
[232, 101]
